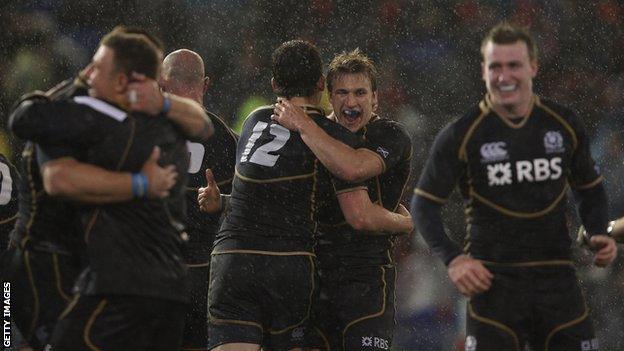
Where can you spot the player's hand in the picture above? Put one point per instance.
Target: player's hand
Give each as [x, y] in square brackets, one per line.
[289, 115]
[404, 212]
[160, 179]
[209, 197]
[144, 95]
[469, 275]
[604, 249]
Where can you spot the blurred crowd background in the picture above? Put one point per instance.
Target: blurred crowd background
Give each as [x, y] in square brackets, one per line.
[428, 57]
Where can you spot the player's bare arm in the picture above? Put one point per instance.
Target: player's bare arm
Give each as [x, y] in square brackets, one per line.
[84, 182]
[353, 165]
[145, 96]
[364, 215]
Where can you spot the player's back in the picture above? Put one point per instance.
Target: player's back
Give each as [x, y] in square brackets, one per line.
[134, 246]
[219, 154]
[275, 189]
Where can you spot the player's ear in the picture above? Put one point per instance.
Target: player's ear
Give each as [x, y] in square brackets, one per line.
[121, 82]
[273, 84]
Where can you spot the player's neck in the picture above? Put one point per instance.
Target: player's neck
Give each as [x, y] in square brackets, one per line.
[304, 101]
[513, 112]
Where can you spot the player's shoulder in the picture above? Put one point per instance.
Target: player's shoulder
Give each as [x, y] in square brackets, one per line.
[460, 126]
[388, 126]
[261, 112]
[221, 128]
[100, 107]
[555, 109]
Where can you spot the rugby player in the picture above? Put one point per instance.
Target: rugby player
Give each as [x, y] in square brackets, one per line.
[514, 157]
[357, 272]
[262, 278]
[135, 282]
[183, 75]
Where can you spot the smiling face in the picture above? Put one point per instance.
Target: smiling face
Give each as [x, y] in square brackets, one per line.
[508, 73]
[353, 100]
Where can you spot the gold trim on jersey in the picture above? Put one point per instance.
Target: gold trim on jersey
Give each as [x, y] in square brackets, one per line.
[262, 252]
[126, 151]
[89, 324]
[518, 214]
[9, 219]
[58, 279]
[373, 315]
[223, 124]
[348, 190]
[28, 154]
[234, 321]
[462, 154]
[272, 180]
[506, 120]
[561, 120]
[310, 298]
[198, 265]
[529, 263]
[70, 306]
[495, 324]
[591, 184]
[31, 280]
[324, 337]
[429, 196]
[564, 326]
[90, 224]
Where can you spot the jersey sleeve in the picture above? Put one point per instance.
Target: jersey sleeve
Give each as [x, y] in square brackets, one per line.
[390, 141]
[443, 167]
[57, 122]
[353, 140]
[584, 172]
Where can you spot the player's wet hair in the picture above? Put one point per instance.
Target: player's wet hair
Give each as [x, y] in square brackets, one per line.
[297, 67]
[133, 53]
[507, 33]
[353, 62]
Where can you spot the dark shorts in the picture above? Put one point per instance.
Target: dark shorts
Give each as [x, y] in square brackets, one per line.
[196, 324]
[356, 308]
[113, 323]
[540, 306]
[41, 284]
[261, 299]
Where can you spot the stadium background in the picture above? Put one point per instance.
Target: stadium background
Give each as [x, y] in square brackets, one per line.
[428, 58]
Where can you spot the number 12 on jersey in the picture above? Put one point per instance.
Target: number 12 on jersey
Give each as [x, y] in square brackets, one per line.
[261, 155]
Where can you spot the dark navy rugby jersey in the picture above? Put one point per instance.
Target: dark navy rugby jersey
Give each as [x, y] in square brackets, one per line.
[514, 178]
[219, 154]
[45, 222]
[134, 246]
[340, 242]
[277, 189]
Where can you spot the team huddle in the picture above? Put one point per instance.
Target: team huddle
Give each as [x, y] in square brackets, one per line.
[145, 223]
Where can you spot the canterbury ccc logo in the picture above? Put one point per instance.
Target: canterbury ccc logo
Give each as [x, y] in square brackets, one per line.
[494, 151]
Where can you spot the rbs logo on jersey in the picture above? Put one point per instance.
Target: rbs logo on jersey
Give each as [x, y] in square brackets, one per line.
[537, 170]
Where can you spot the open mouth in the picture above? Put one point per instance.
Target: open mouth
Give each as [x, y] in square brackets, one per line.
[507, 88]
[351, 115]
